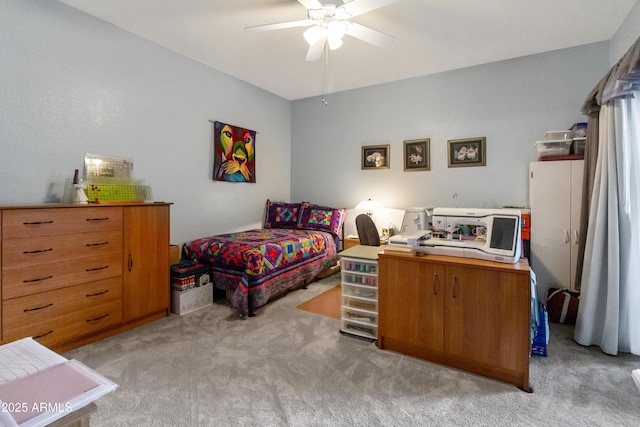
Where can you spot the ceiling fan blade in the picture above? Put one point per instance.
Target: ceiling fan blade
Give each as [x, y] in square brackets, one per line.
[311, 4]
[280, 25]
[358, 7]
[369, 35]
[315, 50]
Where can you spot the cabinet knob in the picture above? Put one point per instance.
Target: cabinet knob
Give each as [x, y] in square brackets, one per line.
[435, 283]
[453, 287]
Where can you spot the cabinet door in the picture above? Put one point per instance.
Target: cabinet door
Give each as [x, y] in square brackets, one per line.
[487, 316]
[411, 302]
[577, 169]
[146, 260]
[550, 199]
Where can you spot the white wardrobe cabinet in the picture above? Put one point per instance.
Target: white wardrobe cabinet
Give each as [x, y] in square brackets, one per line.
[555, 195]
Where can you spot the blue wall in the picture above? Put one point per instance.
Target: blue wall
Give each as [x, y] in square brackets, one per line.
[511, 103]
[71, 84]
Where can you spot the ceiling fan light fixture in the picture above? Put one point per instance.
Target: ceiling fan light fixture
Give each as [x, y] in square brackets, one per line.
[334, 43]
[328, 24]
[336, 30]
[313, 34]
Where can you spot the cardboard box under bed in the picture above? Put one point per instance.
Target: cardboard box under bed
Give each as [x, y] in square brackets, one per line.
[191, 287]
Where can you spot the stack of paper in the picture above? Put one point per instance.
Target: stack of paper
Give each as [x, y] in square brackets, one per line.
[38, 386]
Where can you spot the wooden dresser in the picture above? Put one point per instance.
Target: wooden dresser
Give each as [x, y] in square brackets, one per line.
[465, 313]
[74, 274]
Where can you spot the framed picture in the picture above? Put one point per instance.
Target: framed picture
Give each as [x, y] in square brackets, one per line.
[375, 157]
[416, 155]
[467, 152]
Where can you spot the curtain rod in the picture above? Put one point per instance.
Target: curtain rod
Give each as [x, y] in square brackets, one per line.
[214, 122]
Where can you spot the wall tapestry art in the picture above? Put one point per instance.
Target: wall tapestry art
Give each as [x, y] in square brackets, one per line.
[234, 153]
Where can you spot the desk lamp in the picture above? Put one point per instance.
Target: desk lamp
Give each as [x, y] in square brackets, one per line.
[369, 206]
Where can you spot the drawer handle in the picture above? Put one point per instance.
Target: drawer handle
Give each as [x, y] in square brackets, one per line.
[97, 293]
[98, 219]
[37, 222]
[96, 269]
[40, 279]
[26, 310]
[96, 244]
[38, 251]
[43, 335]
[97, 319]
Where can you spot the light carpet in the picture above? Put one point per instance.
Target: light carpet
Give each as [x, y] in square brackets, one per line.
[288, 367]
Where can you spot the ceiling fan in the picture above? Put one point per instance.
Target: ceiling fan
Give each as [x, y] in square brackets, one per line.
[329, 23]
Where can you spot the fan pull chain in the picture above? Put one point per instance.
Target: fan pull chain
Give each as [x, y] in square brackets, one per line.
[324, 74]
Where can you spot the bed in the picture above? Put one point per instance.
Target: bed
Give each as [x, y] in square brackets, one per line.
[298, 241]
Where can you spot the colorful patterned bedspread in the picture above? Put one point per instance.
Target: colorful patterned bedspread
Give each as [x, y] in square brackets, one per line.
[258, 264]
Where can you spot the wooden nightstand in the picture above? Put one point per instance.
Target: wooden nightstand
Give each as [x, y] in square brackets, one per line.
[350, 242]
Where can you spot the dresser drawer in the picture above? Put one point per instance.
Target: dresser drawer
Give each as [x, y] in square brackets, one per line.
[22, 281]
[37, 250]
[21, 223]
[69, 326]
[45, 306]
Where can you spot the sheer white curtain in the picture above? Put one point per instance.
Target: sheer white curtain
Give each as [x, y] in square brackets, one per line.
[609, 310]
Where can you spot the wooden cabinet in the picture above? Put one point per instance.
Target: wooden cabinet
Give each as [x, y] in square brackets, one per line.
[63, 277]
[350, 242]
[146, 276]
[465, 313]
[555, 193]
[412, 303]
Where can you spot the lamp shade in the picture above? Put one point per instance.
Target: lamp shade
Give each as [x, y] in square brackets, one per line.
[369, 206]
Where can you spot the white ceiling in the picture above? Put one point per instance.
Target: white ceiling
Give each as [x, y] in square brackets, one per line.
[430, 36]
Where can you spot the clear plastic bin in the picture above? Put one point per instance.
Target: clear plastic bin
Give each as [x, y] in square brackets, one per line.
[360, 266]
[578, 145]
[360, 316]
[579, 130]
[554, 147]
[355, 328]
[359, 279]
[360, 291]
[360, 303]
[555, 135]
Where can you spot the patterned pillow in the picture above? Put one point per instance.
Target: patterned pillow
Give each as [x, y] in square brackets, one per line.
[281, 215]
[322, 218]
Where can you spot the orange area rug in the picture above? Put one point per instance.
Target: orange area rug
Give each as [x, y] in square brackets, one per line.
[327, 303]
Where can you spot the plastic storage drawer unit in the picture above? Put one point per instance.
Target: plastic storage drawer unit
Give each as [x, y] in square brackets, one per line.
[359, 282]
